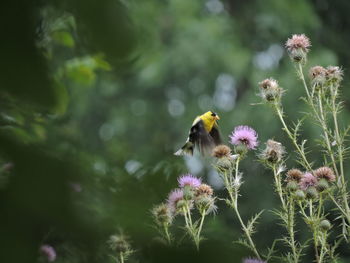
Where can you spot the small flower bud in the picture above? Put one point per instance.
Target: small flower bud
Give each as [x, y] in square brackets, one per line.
[311, 192]
[322, 185]
[273, 152]
[292, 186]
[162, 215]
[241, 149]
[224, 163]
[299, 194]
[270, 90]
[188, 192]
[221, 151]
[325, 225]
[298, 47]
[317, 76]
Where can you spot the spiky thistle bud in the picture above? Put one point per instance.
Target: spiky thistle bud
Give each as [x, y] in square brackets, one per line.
[298, 47]
[322, 185]
[325, 225]
[221, 151]
[224, 164]
[311, 192]
[204, 199]
[162, 214]
[292, 186]
[273, 152]
[270, 90]
[299, 194]
[318, 76]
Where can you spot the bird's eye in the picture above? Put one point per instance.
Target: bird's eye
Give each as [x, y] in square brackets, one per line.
[213, 114]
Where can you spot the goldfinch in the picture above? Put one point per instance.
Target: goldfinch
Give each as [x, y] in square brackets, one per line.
[203, 134]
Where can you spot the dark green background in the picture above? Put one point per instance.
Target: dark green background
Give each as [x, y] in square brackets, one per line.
[101, 93]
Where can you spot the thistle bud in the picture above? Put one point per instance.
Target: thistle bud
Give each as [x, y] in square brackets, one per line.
[241, 149]
[322, 185]
[299, 194]
[188, 192]
[298, 47]
[204, 189]
[270, 90]
[224, 164]
[311, 192]
[162, 215]
[292, 186]
[325, 225]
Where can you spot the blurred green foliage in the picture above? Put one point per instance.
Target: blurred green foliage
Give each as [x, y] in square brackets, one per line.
[99, 94]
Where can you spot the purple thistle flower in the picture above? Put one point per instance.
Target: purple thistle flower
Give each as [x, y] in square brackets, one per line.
[190, 180]
[244, 135]
[175, 196]
[307, 181]
[253, 260]
[49, 252]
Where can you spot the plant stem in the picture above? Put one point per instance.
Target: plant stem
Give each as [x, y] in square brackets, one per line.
[244, 227]
[167, 235]
[121, 256]
[279, 187]
[200, 226]
[301, 152]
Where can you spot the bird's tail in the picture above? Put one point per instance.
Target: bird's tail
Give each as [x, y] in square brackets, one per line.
[187, 149]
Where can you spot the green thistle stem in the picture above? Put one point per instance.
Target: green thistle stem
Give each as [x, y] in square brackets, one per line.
[301, 152]
[121, 257]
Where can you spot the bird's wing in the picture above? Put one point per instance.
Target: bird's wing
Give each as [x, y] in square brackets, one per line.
[201, 138]
[215, 134]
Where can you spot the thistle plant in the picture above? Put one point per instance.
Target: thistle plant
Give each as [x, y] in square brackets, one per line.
[243, 138]
[309, 190]
[191, 198]
[121, 247]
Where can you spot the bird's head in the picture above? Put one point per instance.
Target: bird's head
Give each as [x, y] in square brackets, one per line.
[210, 115]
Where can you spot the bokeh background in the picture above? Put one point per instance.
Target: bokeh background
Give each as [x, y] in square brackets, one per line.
[97, 95]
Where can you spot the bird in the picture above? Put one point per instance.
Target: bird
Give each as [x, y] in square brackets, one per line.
[203, 134]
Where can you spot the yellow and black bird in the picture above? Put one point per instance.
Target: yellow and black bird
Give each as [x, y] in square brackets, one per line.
[203, 134]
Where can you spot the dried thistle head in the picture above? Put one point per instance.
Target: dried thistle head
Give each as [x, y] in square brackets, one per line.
[294, 175]
[204, 190]
[221, 151]
[273, 152]
[270, 90]
[334, 74]
[298, 47]
[325, 173]
[318, 76]
[307, 181]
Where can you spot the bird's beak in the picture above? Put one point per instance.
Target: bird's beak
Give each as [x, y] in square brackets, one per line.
[217, 117]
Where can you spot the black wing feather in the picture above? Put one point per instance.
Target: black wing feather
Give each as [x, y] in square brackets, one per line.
[215, 134]
[201, 138]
